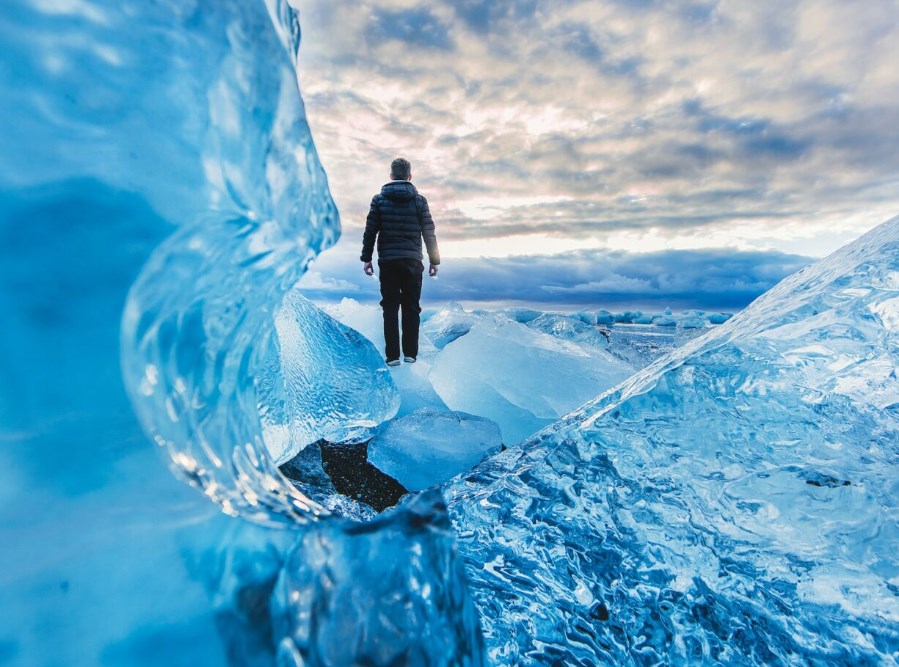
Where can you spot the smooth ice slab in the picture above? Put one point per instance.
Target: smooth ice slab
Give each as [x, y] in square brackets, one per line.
[429, 446]
[520, 378]
[324, 381]
[735, 502]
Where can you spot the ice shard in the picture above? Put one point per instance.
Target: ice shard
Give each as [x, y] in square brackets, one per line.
[429, 447]
[323, 380]
[735, 502]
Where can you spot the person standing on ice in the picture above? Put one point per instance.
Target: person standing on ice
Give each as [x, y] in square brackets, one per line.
[399, 218]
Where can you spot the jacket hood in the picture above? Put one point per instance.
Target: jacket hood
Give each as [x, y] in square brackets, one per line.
[399, 190]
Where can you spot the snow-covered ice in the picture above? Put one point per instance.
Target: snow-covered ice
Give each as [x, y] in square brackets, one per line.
[430, 446]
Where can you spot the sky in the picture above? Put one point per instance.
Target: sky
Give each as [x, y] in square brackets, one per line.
[606, 152]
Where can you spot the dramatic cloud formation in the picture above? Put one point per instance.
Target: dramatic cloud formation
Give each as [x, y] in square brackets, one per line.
[539, 127]
[706, 279]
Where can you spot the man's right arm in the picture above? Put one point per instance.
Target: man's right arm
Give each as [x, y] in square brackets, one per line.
[372, 227]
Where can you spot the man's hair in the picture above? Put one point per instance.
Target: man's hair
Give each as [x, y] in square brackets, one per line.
[400, 169]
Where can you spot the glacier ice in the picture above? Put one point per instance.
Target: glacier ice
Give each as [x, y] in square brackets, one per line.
[364, 318]
[572, 328]
[447, 324]
[130, 126]
[428, 446]
[390, 592]
[735, 502]
[412, 381]
[199, 321]
[520, 378]
[322, 380]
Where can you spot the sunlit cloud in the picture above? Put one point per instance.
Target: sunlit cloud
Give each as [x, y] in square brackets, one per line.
[635, 126]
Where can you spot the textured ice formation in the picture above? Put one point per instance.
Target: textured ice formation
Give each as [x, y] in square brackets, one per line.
[126, 123]
[572, 328]
[664, 321]
[430, 446]
[692, 319]
[323, 380]
[412, 381]
[199, 321]
[520, 378]
[364, 318]
[447, 324]
[735, 502]
[521, 315]
[604, 317]
[390, 592]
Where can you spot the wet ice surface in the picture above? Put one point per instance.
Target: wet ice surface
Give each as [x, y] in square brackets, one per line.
[129, 127]
[734, 502]
[570, 358]
[322, 380]
[429, 447]
[477, 366]
[390, 592]
[520, 378]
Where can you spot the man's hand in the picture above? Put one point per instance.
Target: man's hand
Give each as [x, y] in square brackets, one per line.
[432, 270]
[367, 267]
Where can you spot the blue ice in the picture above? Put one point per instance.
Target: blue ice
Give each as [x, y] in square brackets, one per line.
[733, 502]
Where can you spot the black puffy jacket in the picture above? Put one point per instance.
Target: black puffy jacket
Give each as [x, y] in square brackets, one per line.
[399, 217]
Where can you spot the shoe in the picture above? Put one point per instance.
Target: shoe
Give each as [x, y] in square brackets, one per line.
[409, 360]
[393, 362]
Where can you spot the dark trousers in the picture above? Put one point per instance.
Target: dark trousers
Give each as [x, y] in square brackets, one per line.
[401, 289]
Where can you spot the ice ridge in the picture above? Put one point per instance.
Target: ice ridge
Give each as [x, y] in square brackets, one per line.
[735, 502]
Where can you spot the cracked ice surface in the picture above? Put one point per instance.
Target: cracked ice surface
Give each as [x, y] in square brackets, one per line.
[737, 501]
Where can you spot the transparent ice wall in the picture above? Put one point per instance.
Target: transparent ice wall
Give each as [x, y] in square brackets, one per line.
[198, 324]
[159, 193]
[736, 502]
[124, 124]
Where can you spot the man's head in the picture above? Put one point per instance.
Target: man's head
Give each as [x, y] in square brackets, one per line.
[400, 170]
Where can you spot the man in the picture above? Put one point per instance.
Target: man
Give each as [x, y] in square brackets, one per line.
[399, 217]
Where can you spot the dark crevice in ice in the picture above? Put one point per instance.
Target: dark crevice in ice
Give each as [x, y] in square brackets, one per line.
[343, 469]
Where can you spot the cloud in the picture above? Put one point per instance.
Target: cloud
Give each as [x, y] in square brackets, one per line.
[709, 279]
[315, 281]
[416, 27]
[685, 118]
